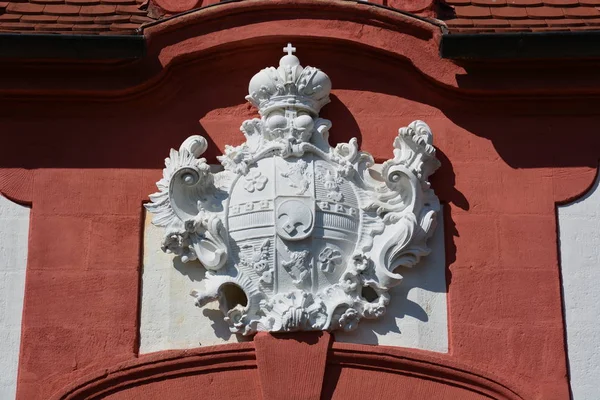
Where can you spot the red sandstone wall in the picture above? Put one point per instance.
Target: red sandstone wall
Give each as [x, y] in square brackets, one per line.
[87, 161]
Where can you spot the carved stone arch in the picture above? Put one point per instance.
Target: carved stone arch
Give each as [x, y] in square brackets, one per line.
[353, 369]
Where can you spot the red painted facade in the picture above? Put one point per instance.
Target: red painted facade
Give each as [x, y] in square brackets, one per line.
[83, 143]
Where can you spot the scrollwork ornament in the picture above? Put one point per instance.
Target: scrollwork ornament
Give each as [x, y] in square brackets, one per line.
[297, 234]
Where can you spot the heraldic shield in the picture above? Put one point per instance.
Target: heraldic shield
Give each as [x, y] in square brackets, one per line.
[296, 234]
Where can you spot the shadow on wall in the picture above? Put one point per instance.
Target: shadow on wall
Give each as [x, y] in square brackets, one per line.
[208, 99]
[196, 273]
[344, 125]
[417, 314]
[192, 270]
[444, 184]
[536, 141]
[546, 132]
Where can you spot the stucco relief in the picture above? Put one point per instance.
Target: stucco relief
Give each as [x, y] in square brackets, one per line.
[296, 234]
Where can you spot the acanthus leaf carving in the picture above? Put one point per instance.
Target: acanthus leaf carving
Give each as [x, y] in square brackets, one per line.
[184, 206]
[298, 234]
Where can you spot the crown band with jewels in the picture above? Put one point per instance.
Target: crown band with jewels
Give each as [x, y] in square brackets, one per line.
[289, 85]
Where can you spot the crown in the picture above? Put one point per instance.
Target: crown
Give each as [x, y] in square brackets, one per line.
[289, 85]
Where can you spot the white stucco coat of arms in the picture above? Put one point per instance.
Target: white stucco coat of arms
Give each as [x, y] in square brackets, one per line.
[296, 234]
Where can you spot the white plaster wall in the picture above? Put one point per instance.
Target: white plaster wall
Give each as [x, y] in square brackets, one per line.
[579, 224]
[416, 317]
[14, 230]
[169, 318]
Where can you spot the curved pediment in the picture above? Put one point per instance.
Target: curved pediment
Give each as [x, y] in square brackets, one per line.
[233, 31]
[222, 29]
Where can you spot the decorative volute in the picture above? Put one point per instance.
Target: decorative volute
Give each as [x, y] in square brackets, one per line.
[296, 234]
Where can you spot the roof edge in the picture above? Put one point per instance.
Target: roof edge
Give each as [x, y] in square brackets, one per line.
[71, 47]
[520, 45]
[435, 22]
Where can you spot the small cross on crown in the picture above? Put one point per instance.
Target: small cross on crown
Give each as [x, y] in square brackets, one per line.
[289, 49]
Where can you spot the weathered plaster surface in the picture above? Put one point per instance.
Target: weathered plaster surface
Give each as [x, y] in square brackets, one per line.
[14, 228]
[416, 316]
[579, 224]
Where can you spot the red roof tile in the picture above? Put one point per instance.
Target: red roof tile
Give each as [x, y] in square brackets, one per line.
[475, 30]
[132, 10]
[460, 23]
[53, 27]
[73, 16]
[61, 9]
[509, 12]
[138, 19]
[458, 2]
[499, 30]
[568, 22]
[83, 2]
[70, 19]
[98, 10]
[473, 12]
[109, 19]
[10, 17]
[527, 23]
[582, 12]
[559, 3]
[545, 12]
[523, 15]
[17, 26]
[493, 23]
[524, 3]
[91, 28]
[579, 28]
[125, 27]
[553, 29]
[24, 8]
[39, 18]
[47, 1]
[119, 2]
[491, 3]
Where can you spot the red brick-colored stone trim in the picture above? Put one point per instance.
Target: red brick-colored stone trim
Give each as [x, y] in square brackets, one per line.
[351, 372]
[292, 367]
